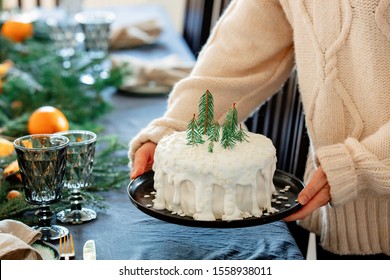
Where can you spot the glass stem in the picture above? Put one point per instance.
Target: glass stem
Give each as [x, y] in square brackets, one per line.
[75, 199]
[44, 215]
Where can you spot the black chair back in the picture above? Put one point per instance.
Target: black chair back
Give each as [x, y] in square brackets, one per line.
[282, 119]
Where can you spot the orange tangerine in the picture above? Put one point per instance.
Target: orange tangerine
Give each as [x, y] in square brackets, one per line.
[11, 169]
[6, 147]
[4, 67]
[17, 31]
[13, 194]
[47, 119]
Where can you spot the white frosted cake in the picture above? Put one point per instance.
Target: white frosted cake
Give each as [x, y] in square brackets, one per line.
[227, 184]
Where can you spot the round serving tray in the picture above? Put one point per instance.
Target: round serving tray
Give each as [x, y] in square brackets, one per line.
[140, 191]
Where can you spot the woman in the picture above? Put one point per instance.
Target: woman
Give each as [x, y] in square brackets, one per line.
[341, 49]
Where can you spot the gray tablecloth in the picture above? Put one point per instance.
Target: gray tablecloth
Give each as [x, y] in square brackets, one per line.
[124, 232]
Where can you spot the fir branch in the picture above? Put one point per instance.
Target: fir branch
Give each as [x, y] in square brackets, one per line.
[38, 78]
[14, 127]
[213, 136]
[229, 129]
[110, 165]
[241, 135]
[228, 140]
[210, 147]
[205, 125]
[232, 118]
[206, 111]
[194, 137]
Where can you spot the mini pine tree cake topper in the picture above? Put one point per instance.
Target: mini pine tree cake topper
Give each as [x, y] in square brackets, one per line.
[194, 136]
[241, 135]
[205, 125]
[229, 128]
[206, 111]
[213, 135]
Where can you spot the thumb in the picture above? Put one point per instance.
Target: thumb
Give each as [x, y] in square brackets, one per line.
[138, 166]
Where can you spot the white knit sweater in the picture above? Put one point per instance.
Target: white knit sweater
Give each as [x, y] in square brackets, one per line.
[342, 52]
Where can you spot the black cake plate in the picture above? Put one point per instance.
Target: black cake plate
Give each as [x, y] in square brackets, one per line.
[285, 201]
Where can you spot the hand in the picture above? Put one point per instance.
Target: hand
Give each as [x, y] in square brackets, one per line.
[143, 159]
[313, 196]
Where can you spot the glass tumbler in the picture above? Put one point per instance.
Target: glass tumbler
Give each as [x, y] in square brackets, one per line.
[42, 160]
[78, 174]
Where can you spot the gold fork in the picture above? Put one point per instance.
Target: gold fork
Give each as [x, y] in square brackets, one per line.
[66, 247]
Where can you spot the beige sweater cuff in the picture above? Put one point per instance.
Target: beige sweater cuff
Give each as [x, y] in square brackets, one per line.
[156, 130]
[338, 166]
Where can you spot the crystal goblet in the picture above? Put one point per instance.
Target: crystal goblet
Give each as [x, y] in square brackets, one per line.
[42, 159]
[63, 32]
[96, 26]
[78, 174]
[71, 7]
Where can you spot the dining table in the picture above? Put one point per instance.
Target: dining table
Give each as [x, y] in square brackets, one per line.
[122, 231]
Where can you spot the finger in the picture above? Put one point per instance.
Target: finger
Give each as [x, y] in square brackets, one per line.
[313, 187]
[140, 163]
[300, 214]
[320, 199]
[143, 159]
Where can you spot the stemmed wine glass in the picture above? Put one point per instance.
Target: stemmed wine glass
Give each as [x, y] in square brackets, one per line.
[63, 32]
[42, 159]
[78, 174]
[96, 26]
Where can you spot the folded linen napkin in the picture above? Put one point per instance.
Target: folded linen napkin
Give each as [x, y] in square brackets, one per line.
[16, 239]
[136, 34]
[161, 72]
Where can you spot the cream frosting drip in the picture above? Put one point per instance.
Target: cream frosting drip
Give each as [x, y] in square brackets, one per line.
[226, 184]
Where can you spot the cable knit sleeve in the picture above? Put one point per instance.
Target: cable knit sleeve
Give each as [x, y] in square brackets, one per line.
[358, 168]
[247, 57]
